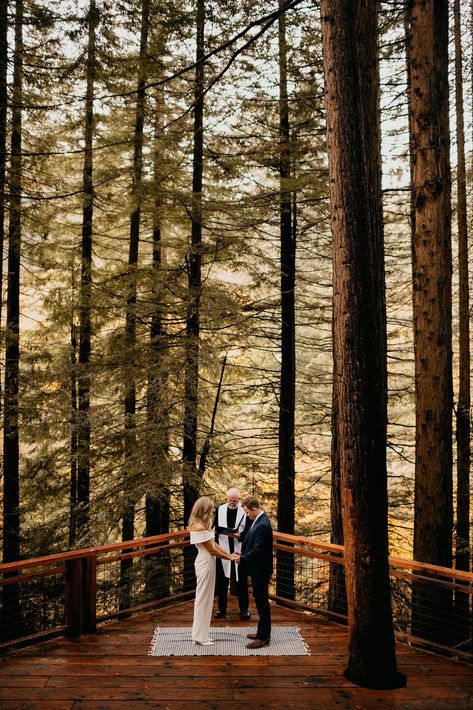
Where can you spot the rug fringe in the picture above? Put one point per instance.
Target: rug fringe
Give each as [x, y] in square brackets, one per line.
[153, 641]
[302, 640]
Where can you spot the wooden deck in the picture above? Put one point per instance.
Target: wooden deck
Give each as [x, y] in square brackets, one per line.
[111, 670]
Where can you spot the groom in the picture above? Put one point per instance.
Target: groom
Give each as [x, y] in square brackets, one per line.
[257, 561]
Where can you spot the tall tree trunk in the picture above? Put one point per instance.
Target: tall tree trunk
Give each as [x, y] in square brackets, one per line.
[157, 502]
[11, 472]
[462, 539]
[73, 475]
[287, 392]
[128, 524]
[432, 304]
[191, 483]
[83, 375]
[360, 378]
[3, 131]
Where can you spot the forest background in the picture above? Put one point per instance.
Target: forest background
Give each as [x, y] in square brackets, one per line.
[140, 363]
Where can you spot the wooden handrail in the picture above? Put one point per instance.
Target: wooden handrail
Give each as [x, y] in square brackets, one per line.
[336, 550]
[394, 561]
[90, 552]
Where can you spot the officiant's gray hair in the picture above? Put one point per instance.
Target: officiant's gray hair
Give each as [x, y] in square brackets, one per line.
[233, 492]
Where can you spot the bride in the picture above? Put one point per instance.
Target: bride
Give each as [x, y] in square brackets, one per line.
[202, 536]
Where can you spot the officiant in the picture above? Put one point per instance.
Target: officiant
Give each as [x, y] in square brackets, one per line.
[231, 525]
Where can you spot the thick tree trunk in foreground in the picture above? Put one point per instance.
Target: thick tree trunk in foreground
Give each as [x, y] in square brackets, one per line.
[360, 376]
[287, 391]
[432, 304]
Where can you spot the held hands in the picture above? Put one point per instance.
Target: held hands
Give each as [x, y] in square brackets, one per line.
[235, 557]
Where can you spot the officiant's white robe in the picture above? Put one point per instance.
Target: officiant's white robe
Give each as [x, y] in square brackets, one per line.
[223, 540]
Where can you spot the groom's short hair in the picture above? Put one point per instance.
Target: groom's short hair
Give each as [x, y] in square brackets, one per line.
[251, 502]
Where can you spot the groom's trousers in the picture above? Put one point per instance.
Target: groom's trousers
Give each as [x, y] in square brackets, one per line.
[260, 593]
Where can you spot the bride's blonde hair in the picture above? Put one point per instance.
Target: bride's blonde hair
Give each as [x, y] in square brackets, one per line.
[202, 513]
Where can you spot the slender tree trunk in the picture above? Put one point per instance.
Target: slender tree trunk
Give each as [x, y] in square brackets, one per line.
[11, 472]
[287, 396]
[128, 525]
[73, 479]
[208, 439]
[463, 409]
[157, 501]
[157, 504]
[83, 375]
[11, 493]
[191, 481]
[337, 593]
[462, 539]
[358, 311]
[3, 131]
[432, 303]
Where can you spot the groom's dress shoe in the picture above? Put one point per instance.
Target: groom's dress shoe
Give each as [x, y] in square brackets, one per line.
[219, 614]
[251, 636]
[258, 643]
[245, 615]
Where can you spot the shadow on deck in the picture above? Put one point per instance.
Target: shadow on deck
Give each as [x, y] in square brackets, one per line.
[111, 670]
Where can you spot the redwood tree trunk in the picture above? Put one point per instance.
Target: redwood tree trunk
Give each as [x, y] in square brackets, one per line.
[287, 391]
[360, 360]
[11, 481]
[3, 128]
[11, 472]
[83, 373]
[432, 303]
[462, 538]
[130, 470]
[191, 481]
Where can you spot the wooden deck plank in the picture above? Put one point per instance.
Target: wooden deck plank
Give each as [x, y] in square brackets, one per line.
[111, 670]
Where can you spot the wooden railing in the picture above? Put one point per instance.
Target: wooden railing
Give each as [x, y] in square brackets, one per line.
[70, 593]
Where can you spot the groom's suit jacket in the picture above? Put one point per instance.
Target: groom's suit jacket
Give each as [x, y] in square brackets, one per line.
[257, 549]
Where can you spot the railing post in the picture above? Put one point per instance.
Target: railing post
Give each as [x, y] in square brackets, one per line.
[89, 594]
[80, 596]
[73, 597]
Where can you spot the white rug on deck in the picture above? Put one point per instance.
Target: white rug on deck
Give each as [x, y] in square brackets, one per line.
[229, 641]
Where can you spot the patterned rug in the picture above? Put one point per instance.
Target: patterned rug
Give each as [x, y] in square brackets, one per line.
[229, 641]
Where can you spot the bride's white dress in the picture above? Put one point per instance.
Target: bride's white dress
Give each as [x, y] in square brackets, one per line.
[205, 590]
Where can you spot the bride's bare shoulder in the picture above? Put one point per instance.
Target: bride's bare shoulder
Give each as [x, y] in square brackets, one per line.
[198, 527]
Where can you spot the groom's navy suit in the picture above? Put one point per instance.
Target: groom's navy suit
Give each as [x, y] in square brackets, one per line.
[257, 561]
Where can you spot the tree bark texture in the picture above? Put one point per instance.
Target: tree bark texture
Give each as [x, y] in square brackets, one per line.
[11, 483]
[462, 536]
[462, 541]
[10, 613]
[73, 466]
[360, 374]
[83, 374]
[3, 127]
[191, 481]
[157, 503]
[287, 391]
[130, 471]
[432, 303]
